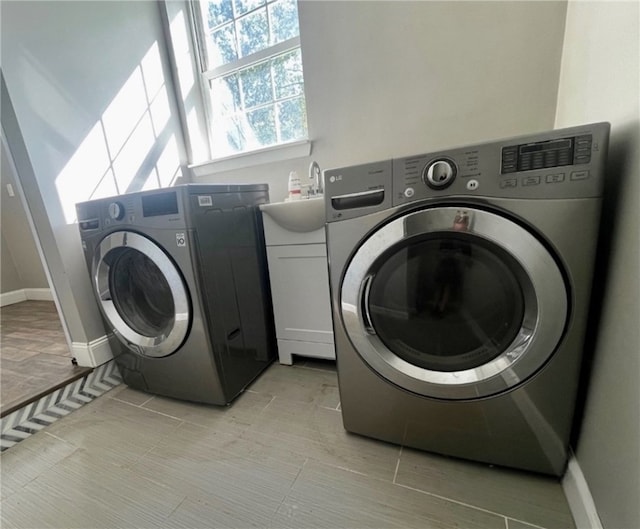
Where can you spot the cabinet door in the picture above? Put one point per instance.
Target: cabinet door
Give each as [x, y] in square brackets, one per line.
[300, 291]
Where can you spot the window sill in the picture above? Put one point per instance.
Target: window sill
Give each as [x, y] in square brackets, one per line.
[277, 153]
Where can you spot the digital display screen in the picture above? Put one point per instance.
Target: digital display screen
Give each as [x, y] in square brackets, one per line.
[546, 146]
[160, 204]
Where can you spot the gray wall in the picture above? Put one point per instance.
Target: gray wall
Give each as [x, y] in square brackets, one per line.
[79, 76]
[9, 278]
[600, 82]
[386, 79]
[21, 264]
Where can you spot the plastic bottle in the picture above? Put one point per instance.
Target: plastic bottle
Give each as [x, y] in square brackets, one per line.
[295, 188]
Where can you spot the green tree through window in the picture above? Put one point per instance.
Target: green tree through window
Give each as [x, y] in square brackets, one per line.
[252, 73]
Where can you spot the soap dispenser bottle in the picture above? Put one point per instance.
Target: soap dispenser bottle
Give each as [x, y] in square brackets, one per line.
[295, 188]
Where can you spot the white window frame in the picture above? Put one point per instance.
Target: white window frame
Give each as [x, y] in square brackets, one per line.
[272, 153]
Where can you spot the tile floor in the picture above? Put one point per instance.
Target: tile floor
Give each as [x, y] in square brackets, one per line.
[34, 355]
[278, 457]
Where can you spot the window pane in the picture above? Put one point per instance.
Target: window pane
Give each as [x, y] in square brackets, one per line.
[283, 16]
[292, 119]
[263, 126]
[228, 135]
[244, 6]
[218, 12]
[224, 49]
[256, 85]
[287, 75]
[254, 32]
[225, 95]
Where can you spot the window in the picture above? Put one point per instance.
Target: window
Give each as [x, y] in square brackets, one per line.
[251, 73]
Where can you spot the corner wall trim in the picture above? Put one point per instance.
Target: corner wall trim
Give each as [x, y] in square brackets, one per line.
[16, 296]
[93, 353]
[579, 497]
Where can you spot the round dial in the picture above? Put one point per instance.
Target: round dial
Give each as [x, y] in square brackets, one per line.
[439, 174]
[116, 211]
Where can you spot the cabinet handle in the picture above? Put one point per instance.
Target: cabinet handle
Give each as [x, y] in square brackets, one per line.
[364, 305]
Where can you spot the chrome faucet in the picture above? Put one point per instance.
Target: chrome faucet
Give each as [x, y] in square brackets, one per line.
[315, 175]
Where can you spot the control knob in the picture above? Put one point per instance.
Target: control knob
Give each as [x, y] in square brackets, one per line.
[116, 211]
[439, 174]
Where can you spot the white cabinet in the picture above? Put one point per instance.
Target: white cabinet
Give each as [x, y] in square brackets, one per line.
[300, 291]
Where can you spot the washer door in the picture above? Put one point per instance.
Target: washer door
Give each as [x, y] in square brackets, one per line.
[141, 293]
[454, 303]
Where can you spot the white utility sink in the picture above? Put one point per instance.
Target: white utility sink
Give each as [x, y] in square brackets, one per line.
[304, 215]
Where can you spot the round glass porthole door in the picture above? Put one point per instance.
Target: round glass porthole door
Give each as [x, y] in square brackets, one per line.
[454, 303]
[141, 293]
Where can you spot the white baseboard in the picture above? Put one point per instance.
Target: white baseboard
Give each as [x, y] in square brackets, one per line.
[579, 497]
[39, 294]
[16, 296]
[93, 353]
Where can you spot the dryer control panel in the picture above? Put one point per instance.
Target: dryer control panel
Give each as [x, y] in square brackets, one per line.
[560, 164]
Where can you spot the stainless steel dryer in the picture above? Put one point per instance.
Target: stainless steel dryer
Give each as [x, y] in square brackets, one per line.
[460, 288]
[180, 278]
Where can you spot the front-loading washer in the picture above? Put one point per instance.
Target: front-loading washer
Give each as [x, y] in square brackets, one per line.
[460, 284]
[180, 277]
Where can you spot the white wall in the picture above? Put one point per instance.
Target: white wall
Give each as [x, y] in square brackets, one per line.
[387, 79]
[600, 82]
[94, 107]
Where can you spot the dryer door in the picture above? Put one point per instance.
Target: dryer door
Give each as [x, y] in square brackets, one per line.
[454, 303]
[141, 293]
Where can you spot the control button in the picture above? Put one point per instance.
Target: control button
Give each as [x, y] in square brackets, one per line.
[472, 185]
[530, 180]
[116, 211]
[510, 154]
[409, 192]
[581, 159]
[439, 174]
[509, 182]
[555, 178]
[509, 168]
[579, 175]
